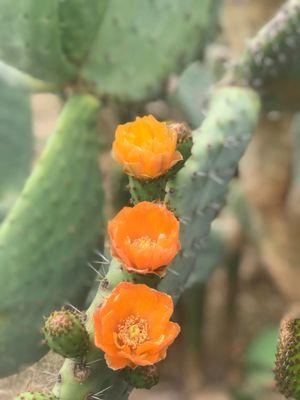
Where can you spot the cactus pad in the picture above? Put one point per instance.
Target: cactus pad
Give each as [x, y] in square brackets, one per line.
[15, 138]
[138, 47]
[218, 145]
[49, 235]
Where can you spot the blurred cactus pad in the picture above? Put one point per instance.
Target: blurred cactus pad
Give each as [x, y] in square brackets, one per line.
[215, 115]
[115, 48]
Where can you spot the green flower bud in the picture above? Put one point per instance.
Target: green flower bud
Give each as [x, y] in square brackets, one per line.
[142, 377]
[65, 333]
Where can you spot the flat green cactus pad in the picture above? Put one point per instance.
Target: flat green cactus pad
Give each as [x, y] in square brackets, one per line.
[15, 139]
[218, 146]
[49, 235]
[138, 46]
[125, 49]
[30, 39]
[79, 23]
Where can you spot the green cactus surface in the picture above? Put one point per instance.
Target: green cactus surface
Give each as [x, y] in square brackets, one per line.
[218, 145]
[147, 190]
[287, 365]
[142, 377]
[50, 233]
[30, 40]
[274, 49]
[111, 47]
[79, 21]
[123, 59]
[191, 94]
[15, 138]
[65, 334]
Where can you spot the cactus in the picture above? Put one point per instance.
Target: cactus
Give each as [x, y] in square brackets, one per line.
[225, 133]
[116, 41]
[191, 93]
[142, 377]
[274, 49]
[16, 148]
[133, 74]
[124, 53]
[270, 64]
[287, 358]
[66, 335]
[44, 43]
[56, 223]
[218, 145]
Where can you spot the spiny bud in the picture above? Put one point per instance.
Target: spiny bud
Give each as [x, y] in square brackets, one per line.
[35, 396]
[287, 365]
[184, 143]
[142, 377]
[65, 334]
[182, 130]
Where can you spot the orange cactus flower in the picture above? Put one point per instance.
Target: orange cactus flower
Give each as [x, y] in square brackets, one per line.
[144, 237]
[133, 326]
[146, 147]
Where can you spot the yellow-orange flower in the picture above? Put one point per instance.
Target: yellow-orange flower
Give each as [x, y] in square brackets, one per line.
[144, 237]
[146, 147]
[133, 326]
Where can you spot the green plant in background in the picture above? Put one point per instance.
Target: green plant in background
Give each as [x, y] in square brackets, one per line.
[122, 52]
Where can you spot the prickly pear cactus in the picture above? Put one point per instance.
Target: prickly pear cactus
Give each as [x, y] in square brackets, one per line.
[225, 134]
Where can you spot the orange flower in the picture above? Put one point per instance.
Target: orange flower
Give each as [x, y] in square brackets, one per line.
[146, 147]
[133, 326]
[144, 237]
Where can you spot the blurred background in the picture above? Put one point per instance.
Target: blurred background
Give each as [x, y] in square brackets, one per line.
[231, 312]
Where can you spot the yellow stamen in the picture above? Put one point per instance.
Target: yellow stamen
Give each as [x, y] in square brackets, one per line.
[144, 242]
[132, 331]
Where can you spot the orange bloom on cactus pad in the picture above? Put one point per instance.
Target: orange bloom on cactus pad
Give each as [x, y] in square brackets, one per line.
[144, 237]
[133, 326]
[146, 147]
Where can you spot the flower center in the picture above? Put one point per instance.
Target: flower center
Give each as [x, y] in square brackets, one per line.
[144, 242]
[132, 331]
